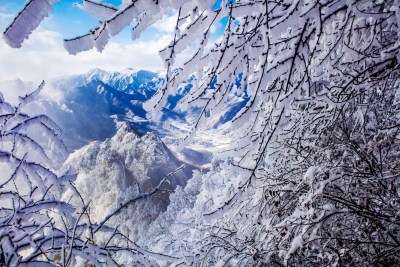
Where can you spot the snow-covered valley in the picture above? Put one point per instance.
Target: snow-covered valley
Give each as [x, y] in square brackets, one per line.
[117, 150]
[88, 107]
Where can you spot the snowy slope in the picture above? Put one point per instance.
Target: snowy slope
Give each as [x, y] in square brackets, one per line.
[113, 171]
[87, 112]
[87, 107]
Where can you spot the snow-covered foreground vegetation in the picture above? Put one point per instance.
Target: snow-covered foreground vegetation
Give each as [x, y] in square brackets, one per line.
[116, 170]
[309, 173]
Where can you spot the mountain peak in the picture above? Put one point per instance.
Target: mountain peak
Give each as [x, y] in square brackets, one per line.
[129, 71]
[125, 127]
[128, 80]
[113, 171]
[95, 71]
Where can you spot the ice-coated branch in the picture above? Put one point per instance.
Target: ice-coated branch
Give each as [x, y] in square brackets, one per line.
[100, 10]
[27, 21]
[311, 174]
[138, 197]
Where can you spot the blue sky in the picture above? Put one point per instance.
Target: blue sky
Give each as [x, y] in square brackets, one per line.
[42, 56]
[67, 18]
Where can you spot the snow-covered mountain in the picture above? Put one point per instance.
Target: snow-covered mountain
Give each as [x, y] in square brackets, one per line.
[113, 171]
[87, 107]
[86, 110]
[142, 84]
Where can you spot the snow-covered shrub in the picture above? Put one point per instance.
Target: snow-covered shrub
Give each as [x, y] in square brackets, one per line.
[30, 187]
[312, 171]
[334, 199]
[36, 224]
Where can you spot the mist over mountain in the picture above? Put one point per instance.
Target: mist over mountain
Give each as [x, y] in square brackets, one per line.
[85, 112]
[88, 106]
[91, 103]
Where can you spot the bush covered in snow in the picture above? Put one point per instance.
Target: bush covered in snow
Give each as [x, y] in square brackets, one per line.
[45, 215]
[312, 174]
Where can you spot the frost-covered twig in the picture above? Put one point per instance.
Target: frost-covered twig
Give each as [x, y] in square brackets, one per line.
[138, 197]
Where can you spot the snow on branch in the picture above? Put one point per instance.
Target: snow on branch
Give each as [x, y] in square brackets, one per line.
[37, 226]
[27, 21]
[30, 97]
[100, 10]
[139, 196]
[311, 174]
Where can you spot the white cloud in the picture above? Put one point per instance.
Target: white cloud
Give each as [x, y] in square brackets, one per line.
[167, 23]
[4, 17]
[215, 27]
[11, 90]
[42, 57]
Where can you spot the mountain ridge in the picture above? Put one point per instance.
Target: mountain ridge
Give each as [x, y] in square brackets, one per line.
[120, 167]
[88, 106]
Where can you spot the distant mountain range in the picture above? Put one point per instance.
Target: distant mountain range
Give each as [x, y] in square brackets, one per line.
[141, 84]
[90, 104]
